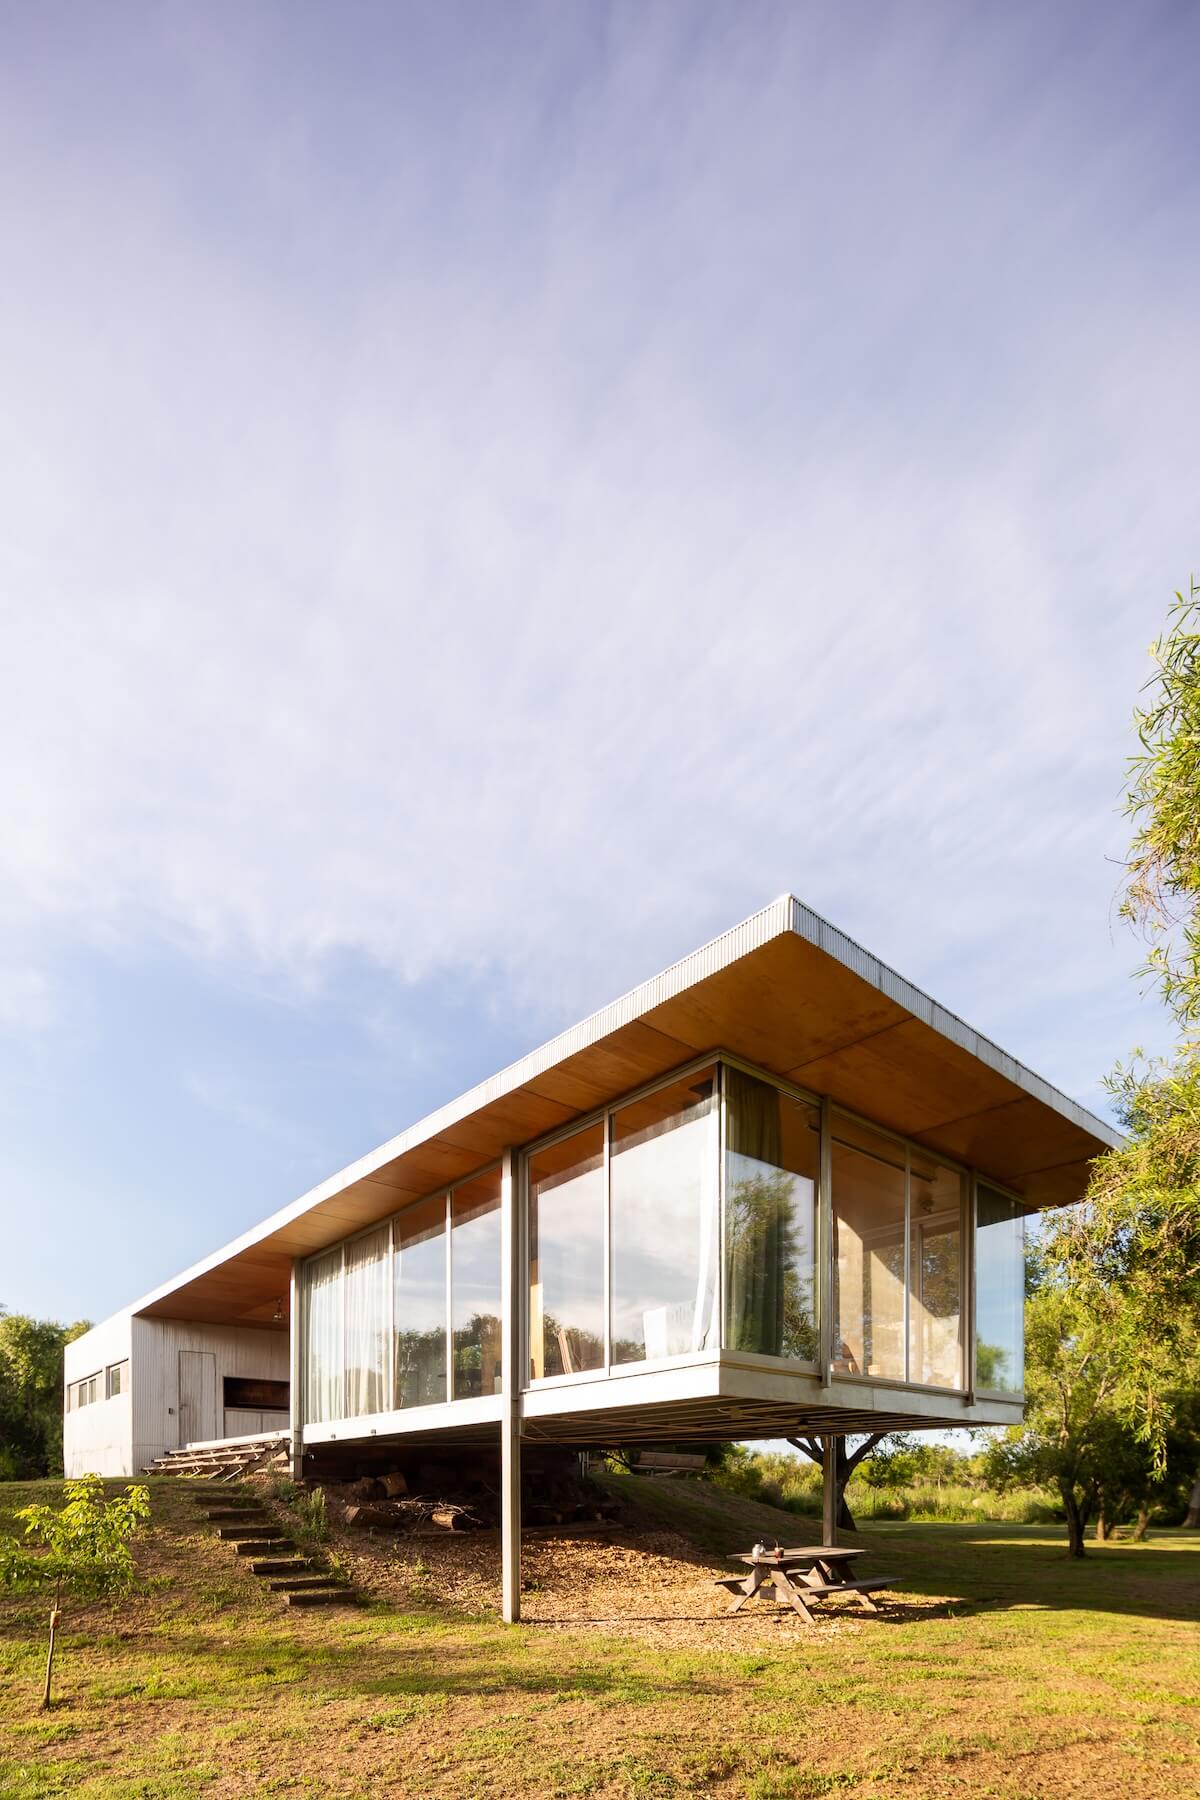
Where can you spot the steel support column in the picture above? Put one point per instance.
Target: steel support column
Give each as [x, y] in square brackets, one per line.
[296, 1372]
[510, 1378]
[829, 1494]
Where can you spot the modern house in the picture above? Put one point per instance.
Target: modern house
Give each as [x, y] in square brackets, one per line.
[774, 1190]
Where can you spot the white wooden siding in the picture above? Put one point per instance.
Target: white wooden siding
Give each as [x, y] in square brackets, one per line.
[238, 1350]
[98, 1439]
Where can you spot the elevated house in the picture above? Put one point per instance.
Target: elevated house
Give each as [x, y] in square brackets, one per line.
[775, 1190]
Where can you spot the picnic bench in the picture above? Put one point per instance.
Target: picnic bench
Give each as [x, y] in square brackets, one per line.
[798, 1577]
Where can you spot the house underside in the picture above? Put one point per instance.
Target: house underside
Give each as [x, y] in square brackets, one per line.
[776, 1190]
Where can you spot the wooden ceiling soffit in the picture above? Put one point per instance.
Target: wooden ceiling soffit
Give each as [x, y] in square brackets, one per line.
[514, 1119]
[1014, 1141]
[909, 1077]
[601, 1072]
[781, 1006]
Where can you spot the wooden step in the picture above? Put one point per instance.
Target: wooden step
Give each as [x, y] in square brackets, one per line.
[340, 1596]
[282, 1565]
[288, 1584]
[251, 1514]
[249, 1530]
[256, 1546]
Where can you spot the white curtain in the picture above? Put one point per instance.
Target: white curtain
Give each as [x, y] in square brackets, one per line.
[324, 1371]
[366, 1303]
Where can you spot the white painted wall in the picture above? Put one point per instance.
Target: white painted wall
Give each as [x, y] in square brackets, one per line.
[98, 1439]
[237, 1350]
[121, 1436]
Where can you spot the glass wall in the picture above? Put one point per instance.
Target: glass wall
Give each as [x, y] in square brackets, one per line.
[631, 1259]
[666, 1222]
[419, 1289]
[898, 1260]
[367, 1323]
[382, 1311]
[324, 1380]
[999, 1292]
[475, 1286]
[935, 1348]
[869, 1186]
[772, 1159]
[566, 1250]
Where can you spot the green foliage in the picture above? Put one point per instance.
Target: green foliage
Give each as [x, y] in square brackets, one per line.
[1074, 1431]
[1132, 1253]
[31, 1394]
[1121, 1311]
[81, 1548]
[1163, 891]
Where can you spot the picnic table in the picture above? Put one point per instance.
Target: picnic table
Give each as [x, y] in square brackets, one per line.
[797, 1577]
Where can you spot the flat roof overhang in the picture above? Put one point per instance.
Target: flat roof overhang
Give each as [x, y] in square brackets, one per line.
[784, 990]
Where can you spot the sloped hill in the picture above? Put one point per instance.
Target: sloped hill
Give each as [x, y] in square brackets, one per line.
[999, 1655]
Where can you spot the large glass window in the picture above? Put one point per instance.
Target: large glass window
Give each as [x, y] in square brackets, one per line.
[566, 1248]
[324, 1383]
[936, 1277]
[419, 1302]
[367, 1323]
[868, 1225]
[475, 1286]
[772, 1156]
[999, 1292]
[665, 1221]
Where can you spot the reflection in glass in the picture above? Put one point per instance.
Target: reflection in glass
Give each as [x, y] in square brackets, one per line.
[868, 1274]
[771, 1163]
[935, 1299]
[367, 1321]
[999, 1293]
[475, 1286]
[324, 1381]
[665, 1222]
[566, 1248]
[419, 1275]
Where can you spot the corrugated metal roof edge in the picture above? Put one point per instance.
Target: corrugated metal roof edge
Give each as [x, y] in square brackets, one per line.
[786, 914]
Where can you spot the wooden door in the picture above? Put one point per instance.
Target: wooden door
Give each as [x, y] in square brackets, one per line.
[197, 1396]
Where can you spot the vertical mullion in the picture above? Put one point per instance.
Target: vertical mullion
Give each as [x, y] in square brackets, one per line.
[389, 1386]
[908, 1274]
[342, 1333]
[970, 1212]
[825, 1321]
[722, 1134]
[449, 1292]
[608, 1242]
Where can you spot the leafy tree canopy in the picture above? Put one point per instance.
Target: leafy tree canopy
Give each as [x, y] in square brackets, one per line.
[31, 1394]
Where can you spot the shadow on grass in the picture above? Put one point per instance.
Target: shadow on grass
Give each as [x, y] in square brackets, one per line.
[963, 1568]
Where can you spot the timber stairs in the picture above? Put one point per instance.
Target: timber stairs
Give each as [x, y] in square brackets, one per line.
[224, 1462]
[250, 1530]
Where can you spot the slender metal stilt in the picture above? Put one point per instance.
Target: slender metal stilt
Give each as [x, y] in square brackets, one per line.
[829, 1495]
[510, 1419]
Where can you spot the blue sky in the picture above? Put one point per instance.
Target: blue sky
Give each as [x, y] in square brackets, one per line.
[491, 495]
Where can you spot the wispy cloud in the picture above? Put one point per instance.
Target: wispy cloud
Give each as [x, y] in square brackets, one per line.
[514, 493]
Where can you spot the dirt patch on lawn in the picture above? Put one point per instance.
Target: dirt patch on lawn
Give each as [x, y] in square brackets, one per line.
[651, 1585]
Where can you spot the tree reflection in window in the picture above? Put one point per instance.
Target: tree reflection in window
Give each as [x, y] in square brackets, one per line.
[772, 1157]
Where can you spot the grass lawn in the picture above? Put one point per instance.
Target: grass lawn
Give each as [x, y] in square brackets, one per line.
[1011, 1672]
